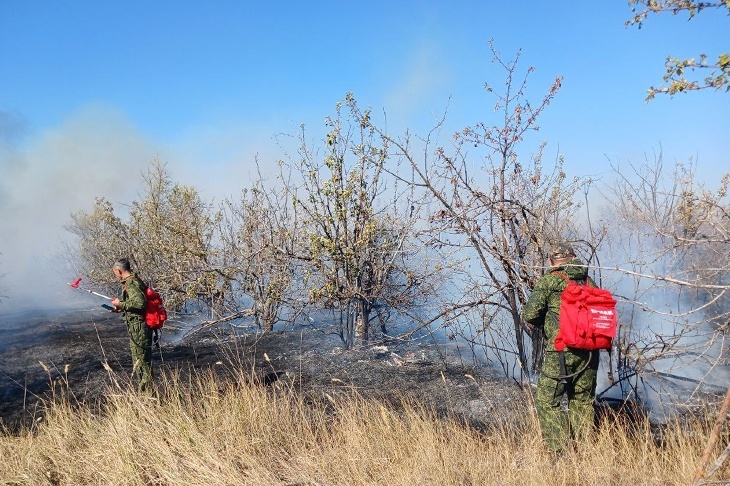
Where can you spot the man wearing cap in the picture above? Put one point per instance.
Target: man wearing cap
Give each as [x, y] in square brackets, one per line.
[577, 382]
[132, 305]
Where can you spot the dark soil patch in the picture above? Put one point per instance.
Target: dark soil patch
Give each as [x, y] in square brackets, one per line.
[75, 347]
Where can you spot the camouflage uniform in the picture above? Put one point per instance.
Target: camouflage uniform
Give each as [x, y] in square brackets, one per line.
[133, 304]
[542, 309]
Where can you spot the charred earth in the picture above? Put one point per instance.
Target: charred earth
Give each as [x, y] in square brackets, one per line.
[79, 355]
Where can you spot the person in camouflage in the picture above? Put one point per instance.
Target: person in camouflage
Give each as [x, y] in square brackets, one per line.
[578, 384]
[132, 306]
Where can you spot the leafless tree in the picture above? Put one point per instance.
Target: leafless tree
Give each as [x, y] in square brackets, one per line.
[260, 235]
[501, 211]
[673, 238]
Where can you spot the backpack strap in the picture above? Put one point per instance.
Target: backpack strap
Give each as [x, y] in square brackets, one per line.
[563, 378]
[568, 280]
[141, 282]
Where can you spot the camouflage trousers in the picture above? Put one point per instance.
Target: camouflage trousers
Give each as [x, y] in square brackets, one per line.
[140, 344]
[558, 427]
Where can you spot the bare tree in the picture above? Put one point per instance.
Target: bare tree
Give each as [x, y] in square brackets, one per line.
[260, 234]
[501, 211]
[674, 236]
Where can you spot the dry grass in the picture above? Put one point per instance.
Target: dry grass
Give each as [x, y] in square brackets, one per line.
[203, 432]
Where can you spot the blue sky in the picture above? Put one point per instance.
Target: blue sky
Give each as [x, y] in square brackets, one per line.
[91, 91]
[184, 71]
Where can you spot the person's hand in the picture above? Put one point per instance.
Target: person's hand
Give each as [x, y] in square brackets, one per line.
[115, 303]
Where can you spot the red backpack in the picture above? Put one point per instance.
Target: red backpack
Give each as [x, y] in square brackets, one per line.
[155, 313]
[587, 317]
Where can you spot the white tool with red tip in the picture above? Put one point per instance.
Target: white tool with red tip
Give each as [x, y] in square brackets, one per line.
[75, 285]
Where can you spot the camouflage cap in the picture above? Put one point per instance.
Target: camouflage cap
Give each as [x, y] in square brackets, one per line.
[561, 250]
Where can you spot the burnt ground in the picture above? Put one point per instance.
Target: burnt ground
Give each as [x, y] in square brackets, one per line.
[45, 355]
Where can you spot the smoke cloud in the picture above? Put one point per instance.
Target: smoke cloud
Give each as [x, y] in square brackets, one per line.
[46, 178]
[98, 152]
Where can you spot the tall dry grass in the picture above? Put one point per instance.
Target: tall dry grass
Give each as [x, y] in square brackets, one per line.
[200, 431]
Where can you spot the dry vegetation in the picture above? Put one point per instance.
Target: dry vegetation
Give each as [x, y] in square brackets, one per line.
[201, 431]
[436, 230]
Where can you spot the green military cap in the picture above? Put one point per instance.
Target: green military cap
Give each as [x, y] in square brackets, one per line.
[561, 250]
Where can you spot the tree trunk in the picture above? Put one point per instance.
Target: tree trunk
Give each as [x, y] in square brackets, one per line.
[521, 355]
[362, 319]
[519, 333]
[538, 349]
[268, 316]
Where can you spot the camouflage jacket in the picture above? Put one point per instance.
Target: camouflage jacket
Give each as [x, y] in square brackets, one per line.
[543, 307]
[133, 301]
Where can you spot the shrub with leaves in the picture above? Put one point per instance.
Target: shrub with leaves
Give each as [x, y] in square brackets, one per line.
[168, 236]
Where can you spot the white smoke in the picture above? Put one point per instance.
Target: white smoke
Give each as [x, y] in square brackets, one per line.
[47, 177]
[98, 152]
